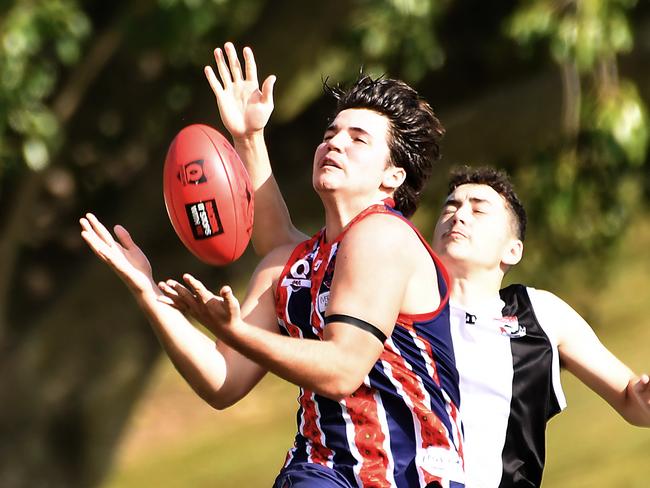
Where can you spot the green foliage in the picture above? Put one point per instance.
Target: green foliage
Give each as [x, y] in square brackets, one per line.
[621, 114]
[36, 40]
[582, 192]
[580, 31]
[398, 34]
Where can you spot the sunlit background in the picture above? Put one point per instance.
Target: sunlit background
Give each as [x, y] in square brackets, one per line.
[91, 93]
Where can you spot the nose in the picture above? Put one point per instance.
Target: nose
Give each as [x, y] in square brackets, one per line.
[336, 142]
[462, 213]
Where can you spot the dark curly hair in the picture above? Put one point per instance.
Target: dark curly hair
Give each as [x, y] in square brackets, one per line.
[500, 182]
[415, 131]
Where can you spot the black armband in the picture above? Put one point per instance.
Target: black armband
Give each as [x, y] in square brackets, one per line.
[361, 324]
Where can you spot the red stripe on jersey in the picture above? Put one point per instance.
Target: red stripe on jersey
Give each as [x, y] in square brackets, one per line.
[368, 438]
[432, 430]
[311, 430]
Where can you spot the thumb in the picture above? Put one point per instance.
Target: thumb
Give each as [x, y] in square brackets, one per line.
[230, 300]
[267, 89]
[124, 237]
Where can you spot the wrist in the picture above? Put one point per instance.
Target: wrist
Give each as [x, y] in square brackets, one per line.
[249, 140]
[233, 334]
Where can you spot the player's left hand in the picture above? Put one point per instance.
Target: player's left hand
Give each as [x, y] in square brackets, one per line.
[641, 392]
[219, 313]
[244, 107]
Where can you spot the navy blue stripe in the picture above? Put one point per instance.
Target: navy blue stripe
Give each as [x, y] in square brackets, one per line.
[402, 437]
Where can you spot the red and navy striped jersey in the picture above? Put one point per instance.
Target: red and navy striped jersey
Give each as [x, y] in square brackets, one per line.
[401, 427]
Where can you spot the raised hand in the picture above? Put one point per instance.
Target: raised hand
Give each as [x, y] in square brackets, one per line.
[219, 313]
[123, 256]
[244, 108]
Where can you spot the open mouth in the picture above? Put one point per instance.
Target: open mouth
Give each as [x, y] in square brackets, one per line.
[327, 162]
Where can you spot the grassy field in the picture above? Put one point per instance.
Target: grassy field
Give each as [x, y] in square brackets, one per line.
[174, 440]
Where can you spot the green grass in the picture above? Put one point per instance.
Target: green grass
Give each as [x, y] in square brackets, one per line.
[176, 441]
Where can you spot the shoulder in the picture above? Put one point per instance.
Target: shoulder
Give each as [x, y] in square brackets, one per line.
[545, 301]
[556, 315]
[382, 230]
[387, 243]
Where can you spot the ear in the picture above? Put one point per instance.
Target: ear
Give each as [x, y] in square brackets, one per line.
[513, 253]
[393, 177]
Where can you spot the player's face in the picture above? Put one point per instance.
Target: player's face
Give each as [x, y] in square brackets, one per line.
[475, 230]
[353, 156]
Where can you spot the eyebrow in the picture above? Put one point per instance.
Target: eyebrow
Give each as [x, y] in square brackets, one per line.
[333, 127]
[476, 200]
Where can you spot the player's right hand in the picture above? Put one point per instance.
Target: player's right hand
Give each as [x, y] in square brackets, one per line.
[123, 255]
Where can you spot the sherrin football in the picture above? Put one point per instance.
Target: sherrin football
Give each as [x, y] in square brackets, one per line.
[208, 195]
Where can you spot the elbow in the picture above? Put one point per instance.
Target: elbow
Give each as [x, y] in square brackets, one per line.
[217, 402]
[341, 387]
[215, 398]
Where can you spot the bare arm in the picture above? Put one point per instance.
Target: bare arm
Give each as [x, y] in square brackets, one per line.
[245, 111]
[336, 366]
[218, 374]
[590, 361]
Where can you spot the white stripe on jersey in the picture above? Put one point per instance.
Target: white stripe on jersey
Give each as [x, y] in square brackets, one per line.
[484, 362]
[349, 432]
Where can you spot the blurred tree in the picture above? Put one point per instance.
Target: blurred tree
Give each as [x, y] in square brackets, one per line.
[92, 92]
[583, 191]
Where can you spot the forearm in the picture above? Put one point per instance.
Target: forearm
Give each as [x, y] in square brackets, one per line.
[272, 226]
[193, 353]
[320, 366]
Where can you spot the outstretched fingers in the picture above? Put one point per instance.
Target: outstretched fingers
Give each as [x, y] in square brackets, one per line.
[233, 61]
[99, 229]
[251, 66]
[214, 82]
[179, 296]
[198, 288]
[96, 243]
[222, 68]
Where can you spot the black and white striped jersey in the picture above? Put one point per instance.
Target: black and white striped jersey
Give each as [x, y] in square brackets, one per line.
[507, 357]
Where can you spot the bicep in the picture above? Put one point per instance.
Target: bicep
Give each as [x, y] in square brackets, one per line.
[369, 284]
[585, 356]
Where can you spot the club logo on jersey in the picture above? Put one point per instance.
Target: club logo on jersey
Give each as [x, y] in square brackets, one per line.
[298, 276]
[470, 319]
[192, 173]
[204, 219]
[510, 326]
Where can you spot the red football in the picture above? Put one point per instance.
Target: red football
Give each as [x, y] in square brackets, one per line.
[208, 195]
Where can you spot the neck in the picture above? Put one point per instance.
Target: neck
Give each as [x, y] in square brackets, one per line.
[340, 211]
[470, 287]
